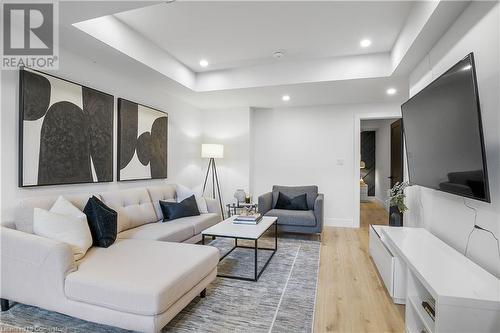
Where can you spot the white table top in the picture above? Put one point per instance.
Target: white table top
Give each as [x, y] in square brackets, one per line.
[227, 228]
[451, 277]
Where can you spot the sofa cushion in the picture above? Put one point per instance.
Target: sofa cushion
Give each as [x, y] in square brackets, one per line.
[139, 276]
[23, 214]
[176, 210]
[64, 223]
[179, 230]
[134, 207]
[184, 192]
[173, 231]
[202, 221]
[102, 222]
[293, 191]
[165, 192]
[293, 217]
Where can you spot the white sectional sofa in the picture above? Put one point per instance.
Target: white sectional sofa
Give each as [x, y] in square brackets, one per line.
[138, 283]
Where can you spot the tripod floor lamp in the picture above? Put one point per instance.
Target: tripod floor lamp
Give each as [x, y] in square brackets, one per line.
[213, 151]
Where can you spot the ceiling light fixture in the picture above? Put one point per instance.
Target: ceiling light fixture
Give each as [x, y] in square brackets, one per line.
[203, 63]
[391, 91]
[365, 43]
[279, 54]
[285, 98]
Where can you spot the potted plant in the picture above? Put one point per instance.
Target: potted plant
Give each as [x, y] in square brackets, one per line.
[397, 204]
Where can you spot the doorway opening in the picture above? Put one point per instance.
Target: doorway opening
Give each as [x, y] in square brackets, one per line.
[380, 165]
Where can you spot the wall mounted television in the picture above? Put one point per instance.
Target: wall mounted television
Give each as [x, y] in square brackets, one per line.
[444, 134]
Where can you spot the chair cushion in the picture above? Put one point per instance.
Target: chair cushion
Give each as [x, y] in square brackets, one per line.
[296, 203]
[134, 207]
[140, 276]
[303, 218]
[293, 191]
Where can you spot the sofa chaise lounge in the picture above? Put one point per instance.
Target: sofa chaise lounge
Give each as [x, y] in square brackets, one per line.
[139, 283]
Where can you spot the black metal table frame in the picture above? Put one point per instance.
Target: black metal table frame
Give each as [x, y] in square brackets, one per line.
[257, 273]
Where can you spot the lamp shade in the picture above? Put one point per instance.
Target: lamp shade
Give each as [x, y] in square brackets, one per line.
[210, 150]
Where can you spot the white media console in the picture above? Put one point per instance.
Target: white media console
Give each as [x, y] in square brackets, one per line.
[418, 267]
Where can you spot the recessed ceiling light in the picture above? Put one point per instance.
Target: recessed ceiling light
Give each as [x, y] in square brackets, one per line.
[203, 63]
[391, 91]
[365, 43]
[285, 98]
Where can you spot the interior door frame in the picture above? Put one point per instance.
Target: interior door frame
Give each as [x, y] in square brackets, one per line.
[402, 150]
[357, 155]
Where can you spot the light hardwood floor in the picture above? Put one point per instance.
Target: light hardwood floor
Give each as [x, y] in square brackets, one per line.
[351, 296]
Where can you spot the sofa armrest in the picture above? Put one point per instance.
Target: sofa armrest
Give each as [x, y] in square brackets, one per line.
[265, 202]
[33, 268]
[319, 211]
[213, 206]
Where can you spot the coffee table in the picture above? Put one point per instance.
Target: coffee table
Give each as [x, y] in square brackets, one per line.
[228, 229]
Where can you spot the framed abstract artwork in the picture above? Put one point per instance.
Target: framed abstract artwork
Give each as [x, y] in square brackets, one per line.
[142, 142]
[65, 131]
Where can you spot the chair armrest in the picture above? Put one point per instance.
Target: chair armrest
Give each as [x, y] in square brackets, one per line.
[33, 268]
[213, 206]
[319, 211]
[265, 202]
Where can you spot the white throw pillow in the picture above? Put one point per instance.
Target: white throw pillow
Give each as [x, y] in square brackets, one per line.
[184, 192]
[65, 223]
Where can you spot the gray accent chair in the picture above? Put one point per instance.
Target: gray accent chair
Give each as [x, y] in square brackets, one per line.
[308, 221]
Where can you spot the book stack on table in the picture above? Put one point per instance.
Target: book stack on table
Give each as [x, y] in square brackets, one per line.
[248, 219]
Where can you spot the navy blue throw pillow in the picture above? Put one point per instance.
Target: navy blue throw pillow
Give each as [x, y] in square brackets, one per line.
[102, 222]
[297, 203]
[175, 210]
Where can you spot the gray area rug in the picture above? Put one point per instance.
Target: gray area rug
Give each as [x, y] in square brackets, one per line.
[281, 301]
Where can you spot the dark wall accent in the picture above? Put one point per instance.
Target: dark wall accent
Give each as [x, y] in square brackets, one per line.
[96, 106]
[36, 96]
[368, 156]
[72, 138]
[127, 136]
[64, 149]
[150, 146]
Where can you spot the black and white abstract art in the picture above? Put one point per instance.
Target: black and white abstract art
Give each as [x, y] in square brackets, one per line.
[142, 142]
[66, 132]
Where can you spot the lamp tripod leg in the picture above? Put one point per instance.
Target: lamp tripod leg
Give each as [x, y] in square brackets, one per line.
[206, 176]
[218, 191]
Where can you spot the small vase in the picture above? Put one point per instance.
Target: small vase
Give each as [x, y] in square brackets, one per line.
[240, 195]
[395, 217]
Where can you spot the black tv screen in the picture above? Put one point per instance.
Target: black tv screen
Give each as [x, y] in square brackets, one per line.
[444, 135]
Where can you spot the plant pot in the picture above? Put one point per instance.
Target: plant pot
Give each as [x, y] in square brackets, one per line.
[395, 217]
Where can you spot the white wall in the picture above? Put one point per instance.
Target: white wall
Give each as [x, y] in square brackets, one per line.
[230, 127]
[382, 128]
[313, 145]
[184, 165]
[476, 30]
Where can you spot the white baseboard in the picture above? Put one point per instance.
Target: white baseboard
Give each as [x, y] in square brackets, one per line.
[335, 222]
[381, 203]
